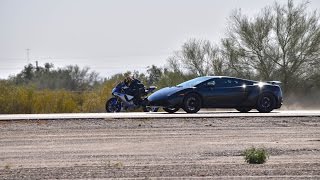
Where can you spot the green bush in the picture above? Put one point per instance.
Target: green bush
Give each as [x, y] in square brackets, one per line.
[256, 155]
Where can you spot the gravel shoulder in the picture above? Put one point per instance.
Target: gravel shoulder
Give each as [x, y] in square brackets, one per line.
[190, 148]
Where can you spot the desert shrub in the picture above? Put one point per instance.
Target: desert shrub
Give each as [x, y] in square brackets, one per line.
[18, 99]
[23, 99]
[49, 101]
[66, 102]
[256, 155]
[15, 99]
[92, 102]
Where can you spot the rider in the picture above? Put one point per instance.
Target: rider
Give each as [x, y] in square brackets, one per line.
[135, 88]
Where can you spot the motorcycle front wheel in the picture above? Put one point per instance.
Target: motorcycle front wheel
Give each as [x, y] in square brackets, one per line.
[112, 105]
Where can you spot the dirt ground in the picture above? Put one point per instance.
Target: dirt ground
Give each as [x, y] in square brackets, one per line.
[204, 148]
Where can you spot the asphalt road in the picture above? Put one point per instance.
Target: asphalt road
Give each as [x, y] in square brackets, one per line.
[139, 115]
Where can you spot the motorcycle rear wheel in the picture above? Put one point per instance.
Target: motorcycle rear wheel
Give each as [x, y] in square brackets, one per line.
[112, 105]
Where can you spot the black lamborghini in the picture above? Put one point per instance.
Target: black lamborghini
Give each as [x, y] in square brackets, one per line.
[219, 92]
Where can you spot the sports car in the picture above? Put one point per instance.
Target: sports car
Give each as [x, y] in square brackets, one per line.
[219, 92]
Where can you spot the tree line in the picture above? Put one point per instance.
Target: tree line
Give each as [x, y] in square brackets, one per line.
[282, 42]
[71, 77]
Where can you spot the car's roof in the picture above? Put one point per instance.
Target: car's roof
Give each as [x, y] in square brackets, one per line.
[220, 77]
[230, 77]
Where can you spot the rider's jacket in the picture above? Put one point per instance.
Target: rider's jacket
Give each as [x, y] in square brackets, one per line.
[135, 88]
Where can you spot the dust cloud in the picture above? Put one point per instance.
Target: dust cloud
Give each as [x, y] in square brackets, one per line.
[294, 101]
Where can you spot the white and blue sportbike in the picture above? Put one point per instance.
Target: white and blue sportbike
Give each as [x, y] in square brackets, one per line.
[121, 101]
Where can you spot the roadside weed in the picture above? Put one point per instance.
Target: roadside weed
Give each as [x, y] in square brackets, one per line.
[255, 155]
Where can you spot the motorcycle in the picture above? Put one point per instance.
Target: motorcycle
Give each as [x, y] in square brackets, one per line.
[125, 102]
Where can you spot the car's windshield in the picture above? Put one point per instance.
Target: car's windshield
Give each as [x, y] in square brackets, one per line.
[194, 82]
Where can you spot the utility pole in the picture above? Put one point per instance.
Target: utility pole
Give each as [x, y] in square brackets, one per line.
[28, 55]
[37, 67]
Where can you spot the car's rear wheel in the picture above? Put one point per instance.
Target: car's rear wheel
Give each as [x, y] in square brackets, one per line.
[266, 103]
[191, 103]
[171, 109]
[243, 110]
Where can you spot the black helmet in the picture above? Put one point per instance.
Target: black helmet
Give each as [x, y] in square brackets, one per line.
[128, 80]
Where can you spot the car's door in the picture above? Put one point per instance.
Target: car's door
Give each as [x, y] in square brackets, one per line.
[234, 92]
[223, 92]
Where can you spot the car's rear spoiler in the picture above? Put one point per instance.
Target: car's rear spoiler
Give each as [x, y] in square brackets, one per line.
[274, 82]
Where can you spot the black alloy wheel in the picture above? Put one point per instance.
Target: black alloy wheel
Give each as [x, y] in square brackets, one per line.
[150, 109]
[171, 109]
[266, 103]
[192, 103]
[243, 109]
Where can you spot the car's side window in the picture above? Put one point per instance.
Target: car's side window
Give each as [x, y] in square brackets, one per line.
[210, 83]
[236, 83]
[220, 83]
[223, 82]
[226, 82]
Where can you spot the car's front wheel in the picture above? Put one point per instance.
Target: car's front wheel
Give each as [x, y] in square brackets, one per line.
[171, 109]
[266, 103]
[243, 110]
[150, 109]
[191, 103]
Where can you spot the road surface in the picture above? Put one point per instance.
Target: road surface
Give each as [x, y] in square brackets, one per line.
[206, 145]
[137, 115]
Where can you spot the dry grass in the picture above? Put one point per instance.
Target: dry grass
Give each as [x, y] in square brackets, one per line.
[21, 99]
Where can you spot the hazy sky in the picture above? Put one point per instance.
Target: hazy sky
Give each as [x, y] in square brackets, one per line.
[110, 36]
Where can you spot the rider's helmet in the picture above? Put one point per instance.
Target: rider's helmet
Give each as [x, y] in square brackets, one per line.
[128, 80]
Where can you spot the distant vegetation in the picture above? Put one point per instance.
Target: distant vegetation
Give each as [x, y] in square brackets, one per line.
[282, 42]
